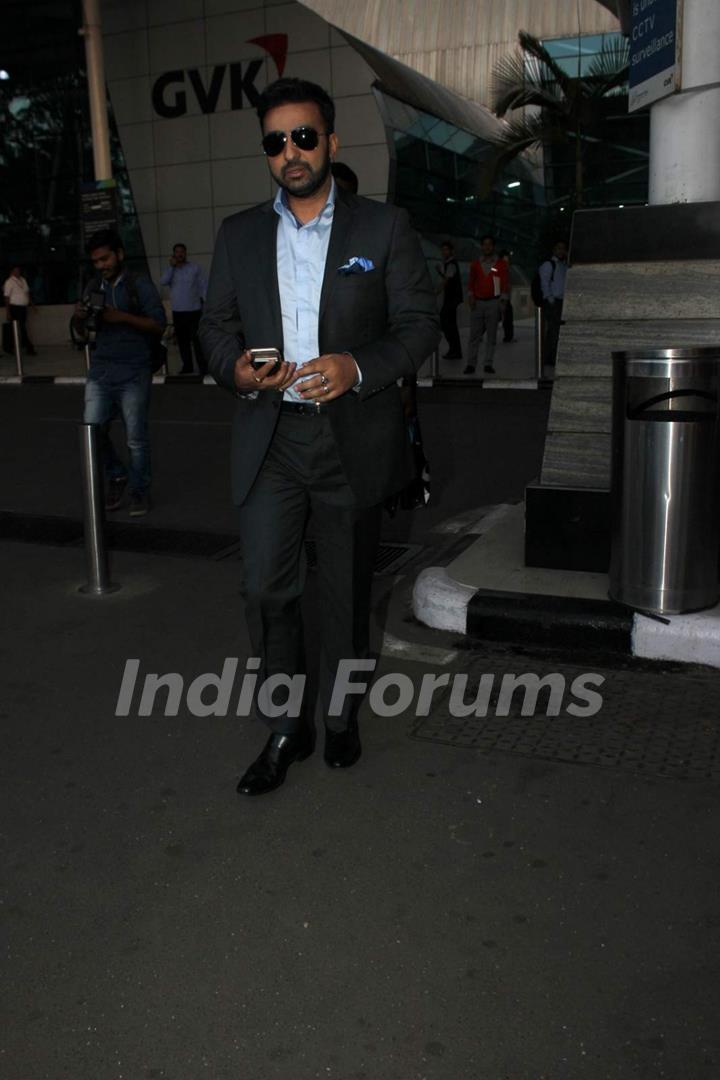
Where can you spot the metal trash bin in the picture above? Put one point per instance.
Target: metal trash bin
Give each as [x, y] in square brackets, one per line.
[665, 480]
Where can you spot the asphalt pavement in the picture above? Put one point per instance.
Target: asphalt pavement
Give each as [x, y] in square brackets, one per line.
[495, 898]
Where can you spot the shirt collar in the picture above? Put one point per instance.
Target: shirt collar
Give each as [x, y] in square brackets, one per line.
[282, 209]
[111, 284]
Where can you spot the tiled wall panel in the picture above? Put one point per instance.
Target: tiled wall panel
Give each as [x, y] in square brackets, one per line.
[191, 170]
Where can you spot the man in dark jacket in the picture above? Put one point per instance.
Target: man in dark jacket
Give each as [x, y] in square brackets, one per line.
[452, 294]
[339, 286]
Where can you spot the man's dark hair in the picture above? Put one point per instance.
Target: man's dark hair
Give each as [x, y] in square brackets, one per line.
[487, 236]
[295, 91]
[448, 244]
[104, 238]
[345, 175]
[183, 246]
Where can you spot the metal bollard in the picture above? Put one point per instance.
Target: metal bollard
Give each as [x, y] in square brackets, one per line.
[16, 345]
[539, 342]
[93, 515]
[435, 365]
[87, 357]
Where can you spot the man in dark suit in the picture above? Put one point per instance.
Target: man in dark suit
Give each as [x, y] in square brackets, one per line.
[339, 285]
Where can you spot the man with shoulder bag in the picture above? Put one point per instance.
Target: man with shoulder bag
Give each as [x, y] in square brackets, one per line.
[124, 314]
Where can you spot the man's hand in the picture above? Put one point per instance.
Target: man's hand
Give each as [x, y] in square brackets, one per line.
[81, 312]
[334, 374]
[172, 261]
[247, 378]
[112, 315]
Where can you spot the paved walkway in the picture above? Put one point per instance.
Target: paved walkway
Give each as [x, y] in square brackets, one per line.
[436, 913]
[490, 898]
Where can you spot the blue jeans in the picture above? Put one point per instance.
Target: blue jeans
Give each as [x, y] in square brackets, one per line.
[103, 402]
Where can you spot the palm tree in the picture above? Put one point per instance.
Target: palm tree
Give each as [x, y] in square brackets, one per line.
[570, 107]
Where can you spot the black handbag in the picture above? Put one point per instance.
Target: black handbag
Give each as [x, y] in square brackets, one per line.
[417, 493]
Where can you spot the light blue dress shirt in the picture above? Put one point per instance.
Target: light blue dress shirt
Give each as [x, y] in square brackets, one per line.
[188, 286]
[552, 278]
[301, 257]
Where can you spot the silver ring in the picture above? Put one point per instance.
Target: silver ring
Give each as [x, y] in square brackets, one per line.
[323, 379]
[257, 378]
[325, 388]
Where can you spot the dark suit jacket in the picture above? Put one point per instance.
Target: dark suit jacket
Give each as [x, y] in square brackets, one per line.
[386, 318]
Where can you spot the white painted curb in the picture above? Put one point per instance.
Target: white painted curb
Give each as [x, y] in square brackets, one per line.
[688, 639]
[439, 601]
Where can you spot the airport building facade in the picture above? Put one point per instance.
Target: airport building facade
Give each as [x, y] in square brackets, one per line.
[412, 87]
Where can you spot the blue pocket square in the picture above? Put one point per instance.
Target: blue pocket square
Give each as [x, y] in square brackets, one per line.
[356, 265]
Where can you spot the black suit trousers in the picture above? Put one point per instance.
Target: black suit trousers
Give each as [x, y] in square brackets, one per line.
[19, 314]
[552, 314]
[448, 322]
[186, 334]
[302, 477]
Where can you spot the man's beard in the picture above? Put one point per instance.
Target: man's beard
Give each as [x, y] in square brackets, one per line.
[313, 181]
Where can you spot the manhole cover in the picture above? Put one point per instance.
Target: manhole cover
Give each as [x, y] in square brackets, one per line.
[649, 722]
[390, 557]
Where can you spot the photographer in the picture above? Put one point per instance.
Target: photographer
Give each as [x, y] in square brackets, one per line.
[126, 315]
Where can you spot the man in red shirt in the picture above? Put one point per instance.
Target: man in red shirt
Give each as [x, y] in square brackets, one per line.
[488, 291]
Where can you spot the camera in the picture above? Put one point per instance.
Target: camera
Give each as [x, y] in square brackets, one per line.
[94, 300]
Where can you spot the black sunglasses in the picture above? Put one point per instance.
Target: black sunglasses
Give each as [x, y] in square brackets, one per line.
[305, 138]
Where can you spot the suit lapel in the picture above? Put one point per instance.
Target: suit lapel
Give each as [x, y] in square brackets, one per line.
[343, 219]
[267, 279]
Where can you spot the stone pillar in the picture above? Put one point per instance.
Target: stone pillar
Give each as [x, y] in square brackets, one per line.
[684, 128]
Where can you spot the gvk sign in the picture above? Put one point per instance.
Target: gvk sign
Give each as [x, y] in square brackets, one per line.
[654, 51]
[170, 90]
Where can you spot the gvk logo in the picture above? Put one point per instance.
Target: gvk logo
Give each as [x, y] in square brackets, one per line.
[169, 93]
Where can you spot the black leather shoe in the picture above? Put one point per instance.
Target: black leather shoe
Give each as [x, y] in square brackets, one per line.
[268, 770]
[342, 748]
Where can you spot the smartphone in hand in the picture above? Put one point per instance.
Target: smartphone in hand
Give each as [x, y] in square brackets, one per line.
[260, 358]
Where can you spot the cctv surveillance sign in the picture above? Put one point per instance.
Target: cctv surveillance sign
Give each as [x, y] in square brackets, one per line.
[654, 51]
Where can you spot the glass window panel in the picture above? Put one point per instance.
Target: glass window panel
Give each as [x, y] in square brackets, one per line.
[590, 43]
[46, 150]
[460, 141]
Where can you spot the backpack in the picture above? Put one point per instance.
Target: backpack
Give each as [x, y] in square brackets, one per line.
[536, 285]
[158, 348]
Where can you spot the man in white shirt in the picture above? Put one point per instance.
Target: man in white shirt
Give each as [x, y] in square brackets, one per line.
[188, 287]
[552, 280]
[17, 301]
